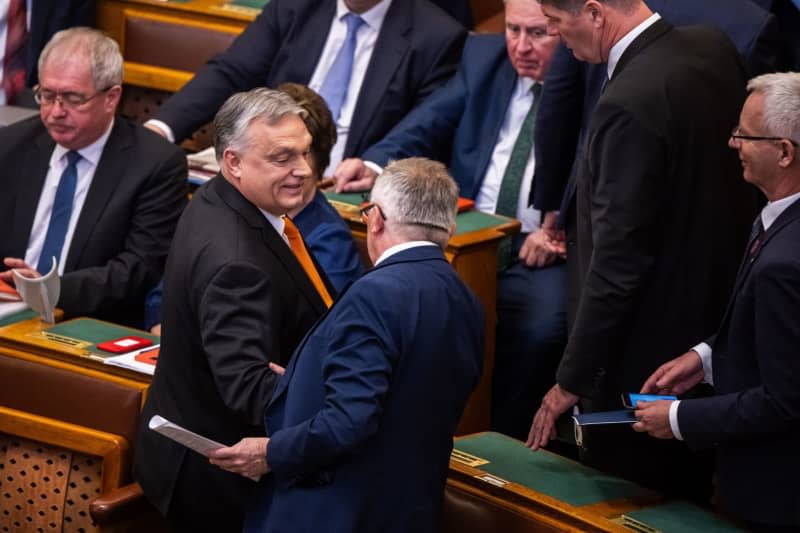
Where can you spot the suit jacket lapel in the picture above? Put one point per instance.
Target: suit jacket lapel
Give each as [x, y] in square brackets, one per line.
[390, 48]
[274, 242]
[32, 174]
[319, 18]
[109, 173]
[648, 36]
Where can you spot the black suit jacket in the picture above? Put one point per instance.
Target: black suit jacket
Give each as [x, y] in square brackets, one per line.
[126, 224]
[754, 416]
[662, 210]
[572, 87]
[417, 51]
[48, 17]
[235, 298]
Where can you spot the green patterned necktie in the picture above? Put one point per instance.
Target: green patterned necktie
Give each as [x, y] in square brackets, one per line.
[508, 199]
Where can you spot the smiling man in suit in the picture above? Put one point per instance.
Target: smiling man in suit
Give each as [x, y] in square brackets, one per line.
[371, 60]
[236, 298]
[361, 425]
[99, 194]
[753, 419]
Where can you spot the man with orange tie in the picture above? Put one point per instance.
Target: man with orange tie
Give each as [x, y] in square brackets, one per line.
[240, 291]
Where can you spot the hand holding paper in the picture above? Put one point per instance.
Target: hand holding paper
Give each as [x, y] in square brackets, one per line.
[247, 458]
[41, 293]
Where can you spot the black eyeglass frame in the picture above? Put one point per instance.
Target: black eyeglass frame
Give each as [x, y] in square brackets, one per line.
[740, 137]
[59, 96]
[364, 211]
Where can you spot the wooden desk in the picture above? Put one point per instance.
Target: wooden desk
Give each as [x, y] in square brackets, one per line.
[473, 255]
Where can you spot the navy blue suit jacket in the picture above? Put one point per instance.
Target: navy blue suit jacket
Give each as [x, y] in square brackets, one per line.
[416, 52]
[572, 87]
[460, 122]
[361, 424]
[754, 416]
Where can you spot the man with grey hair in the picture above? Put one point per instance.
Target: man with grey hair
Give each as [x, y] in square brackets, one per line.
[240, 291]
[753, 419]
[659, 226]
[361, 424]
[95, 193]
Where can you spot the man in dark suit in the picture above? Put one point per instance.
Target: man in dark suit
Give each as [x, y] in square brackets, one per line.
[360, 426]
[98, 193]
[572, 89]
[402, 51]
[461, 10]
[473, 123]
[660, 219]
[753, 419]
[235, 300]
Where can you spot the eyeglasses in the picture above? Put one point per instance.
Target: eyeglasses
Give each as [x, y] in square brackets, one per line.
[70, 100]
[739, 137]
[367, 208]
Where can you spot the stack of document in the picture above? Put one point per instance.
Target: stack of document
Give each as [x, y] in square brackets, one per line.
[143, 361]
[202, 166]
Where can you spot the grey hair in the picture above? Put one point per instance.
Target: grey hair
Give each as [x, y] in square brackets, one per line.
[105, 59]
[419, 199]
[781, 103]
[241, 109]
[574, 6]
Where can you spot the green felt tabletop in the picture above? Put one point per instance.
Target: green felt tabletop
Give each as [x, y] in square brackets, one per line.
[18, 317]
[545, 472]
[95, 331]
[682, 517]
[466, 222]
[255, 4]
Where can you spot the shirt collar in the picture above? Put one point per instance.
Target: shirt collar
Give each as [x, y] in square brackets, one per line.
[275, 221]
[774, 209]
[373, 17]
[619, 48]
[91, 153]
[524, 85]
[397, 248]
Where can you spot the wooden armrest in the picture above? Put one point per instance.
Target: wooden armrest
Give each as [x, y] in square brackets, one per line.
[119, 504]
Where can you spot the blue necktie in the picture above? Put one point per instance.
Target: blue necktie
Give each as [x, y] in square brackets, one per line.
[59, 218]
[334, 88]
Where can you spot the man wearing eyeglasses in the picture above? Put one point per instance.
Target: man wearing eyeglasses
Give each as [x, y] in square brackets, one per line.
[753, 419]
[95, 194]
[481, 123]
[360, 426]
[660, 223]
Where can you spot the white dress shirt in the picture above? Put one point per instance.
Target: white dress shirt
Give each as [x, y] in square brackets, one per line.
[397, 248]
[86, 167]
[769, 214]
[4, 5]
[486, 201]
[365, 44]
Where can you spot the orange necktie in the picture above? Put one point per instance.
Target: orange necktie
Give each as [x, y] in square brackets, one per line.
[300, 252]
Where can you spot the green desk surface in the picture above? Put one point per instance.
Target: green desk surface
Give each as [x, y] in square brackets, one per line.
[681, 517]
[547, 473]
[96, 331]
[255, 4]
[16, 317]
[466, 222]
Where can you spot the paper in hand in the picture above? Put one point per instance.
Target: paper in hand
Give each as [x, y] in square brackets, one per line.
[41, 294]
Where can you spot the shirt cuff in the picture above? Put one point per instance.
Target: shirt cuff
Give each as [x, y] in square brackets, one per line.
[163, 127]
[673, 419]
[377, 169]
[704, 351]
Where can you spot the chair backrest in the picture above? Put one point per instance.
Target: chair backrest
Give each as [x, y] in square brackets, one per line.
[52, 470]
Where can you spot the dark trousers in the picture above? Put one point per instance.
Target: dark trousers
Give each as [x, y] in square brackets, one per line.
[530, 339]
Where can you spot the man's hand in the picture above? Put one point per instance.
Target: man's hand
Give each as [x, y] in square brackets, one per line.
[543, 428]
[676, 376]
[278, 369]
[352, 175]
[14, 263]
[539, 249]
[247, 458]
[653, 418]
[152, 127]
